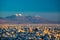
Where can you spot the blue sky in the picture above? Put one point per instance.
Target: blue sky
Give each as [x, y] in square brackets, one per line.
[49, 9]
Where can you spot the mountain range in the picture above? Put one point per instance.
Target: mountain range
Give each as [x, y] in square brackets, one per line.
[20, 19]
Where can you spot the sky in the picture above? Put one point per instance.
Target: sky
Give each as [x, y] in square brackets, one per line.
[49, 9]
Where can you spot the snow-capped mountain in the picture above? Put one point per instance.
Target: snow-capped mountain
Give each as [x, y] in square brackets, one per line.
[20, 19]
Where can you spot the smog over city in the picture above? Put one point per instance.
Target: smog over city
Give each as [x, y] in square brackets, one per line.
[29, 20]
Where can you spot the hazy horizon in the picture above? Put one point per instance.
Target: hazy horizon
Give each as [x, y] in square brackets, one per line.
[48, 9]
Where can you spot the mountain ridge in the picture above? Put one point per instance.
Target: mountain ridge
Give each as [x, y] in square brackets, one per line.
[20, 19]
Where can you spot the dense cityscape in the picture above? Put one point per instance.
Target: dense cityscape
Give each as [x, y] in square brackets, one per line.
[29, 20]
[29, 31]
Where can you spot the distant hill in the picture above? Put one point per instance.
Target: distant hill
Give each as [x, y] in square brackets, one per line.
[20, 19]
